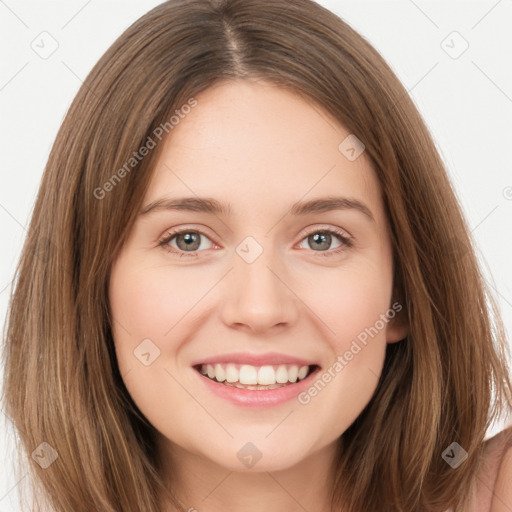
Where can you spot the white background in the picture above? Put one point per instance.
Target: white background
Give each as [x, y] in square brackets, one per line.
[466, 102]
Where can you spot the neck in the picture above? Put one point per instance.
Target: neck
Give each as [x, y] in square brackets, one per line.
[203, 485]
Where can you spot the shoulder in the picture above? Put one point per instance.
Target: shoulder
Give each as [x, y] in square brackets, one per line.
[494, 481]
[502, 493]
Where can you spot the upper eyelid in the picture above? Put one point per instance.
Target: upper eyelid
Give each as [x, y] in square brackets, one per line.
[323, 227]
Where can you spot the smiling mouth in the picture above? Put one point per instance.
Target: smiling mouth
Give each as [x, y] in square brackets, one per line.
[255, 377]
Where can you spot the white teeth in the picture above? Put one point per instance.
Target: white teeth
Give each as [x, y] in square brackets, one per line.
[266, 375]
[220, 374]
[248, 375]
[292, 373]
[282, 374]
[231, 373]
[251, 375]
[302, 372]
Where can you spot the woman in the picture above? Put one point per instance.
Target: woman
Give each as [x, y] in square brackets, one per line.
[179, 342]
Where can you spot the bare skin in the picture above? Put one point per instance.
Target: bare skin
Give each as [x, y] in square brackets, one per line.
[261, 149]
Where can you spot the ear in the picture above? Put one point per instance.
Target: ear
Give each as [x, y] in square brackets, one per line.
[398, 326]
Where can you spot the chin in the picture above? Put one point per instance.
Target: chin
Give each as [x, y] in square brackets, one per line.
[258, 454]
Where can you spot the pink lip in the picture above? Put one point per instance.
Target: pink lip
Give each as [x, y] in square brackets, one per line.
[270, 358]
[257, 398]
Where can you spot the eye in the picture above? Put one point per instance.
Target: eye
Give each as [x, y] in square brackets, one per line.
[188, 242]
[322, 239]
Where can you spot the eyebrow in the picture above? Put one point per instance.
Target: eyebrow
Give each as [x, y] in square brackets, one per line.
[212, 206]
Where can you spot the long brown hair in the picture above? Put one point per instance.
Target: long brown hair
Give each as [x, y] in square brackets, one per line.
[446, 382]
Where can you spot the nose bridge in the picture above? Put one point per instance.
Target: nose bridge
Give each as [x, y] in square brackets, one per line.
[257, 295]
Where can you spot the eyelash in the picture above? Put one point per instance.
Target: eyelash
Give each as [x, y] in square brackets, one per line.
[346, 242]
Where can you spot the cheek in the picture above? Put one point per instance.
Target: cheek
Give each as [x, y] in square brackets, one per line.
[157, 303]
[348, 303]
[148, 302]
[352, 304]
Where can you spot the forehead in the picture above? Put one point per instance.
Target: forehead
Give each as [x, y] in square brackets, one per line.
[258, 146]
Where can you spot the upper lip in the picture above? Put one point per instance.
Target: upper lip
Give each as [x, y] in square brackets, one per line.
[269, 358]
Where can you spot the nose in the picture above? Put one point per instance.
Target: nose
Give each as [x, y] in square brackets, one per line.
[257, 298]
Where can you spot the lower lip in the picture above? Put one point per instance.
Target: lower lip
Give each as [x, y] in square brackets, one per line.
[255, 397]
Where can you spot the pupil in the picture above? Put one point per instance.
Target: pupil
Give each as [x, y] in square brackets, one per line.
[190, 239]
[322, 238]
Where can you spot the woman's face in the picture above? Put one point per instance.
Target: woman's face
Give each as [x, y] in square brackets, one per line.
[259, 289]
